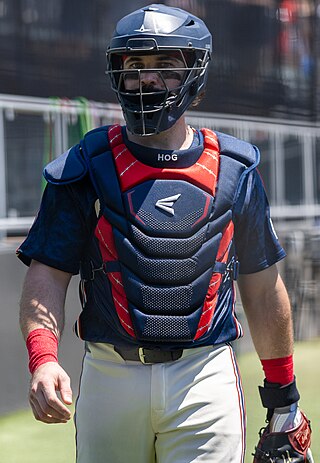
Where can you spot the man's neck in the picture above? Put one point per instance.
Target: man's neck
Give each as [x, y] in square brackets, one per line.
[178, 137]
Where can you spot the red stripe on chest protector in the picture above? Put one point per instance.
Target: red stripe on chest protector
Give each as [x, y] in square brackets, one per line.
[109, 253]
[211, 299]
[131, 172]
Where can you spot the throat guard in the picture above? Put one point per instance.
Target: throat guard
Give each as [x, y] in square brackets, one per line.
[165, 238]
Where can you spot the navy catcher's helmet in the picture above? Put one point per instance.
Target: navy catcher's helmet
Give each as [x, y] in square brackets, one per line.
[154, 29]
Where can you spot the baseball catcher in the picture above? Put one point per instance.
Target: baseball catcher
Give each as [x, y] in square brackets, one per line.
[182, 215]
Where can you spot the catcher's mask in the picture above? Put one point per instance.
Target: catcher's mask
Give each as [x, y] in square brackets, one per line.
[161, 31]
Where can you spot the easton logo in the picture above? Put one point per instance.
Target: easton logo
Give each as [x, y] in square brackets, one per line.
[167, 203]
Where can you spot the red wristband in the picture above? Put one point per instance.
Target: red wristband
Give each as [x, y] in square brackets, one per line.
[42, 347]
[278, 370]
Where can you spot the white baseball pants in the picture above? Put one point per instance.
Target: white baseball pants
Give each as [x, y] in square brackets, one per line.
[188, 410]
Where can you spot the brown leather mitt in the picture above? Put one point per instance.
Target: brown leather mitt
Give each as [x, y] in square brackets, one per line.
[283, 447]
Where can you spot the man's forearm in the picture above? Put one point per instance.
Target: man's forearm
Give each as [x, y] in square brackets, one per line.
[41, 321]
[43, 299]
[268, 312]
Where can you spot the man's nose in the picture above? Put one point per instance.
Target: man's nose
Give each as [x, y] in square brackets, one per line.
[150, 78]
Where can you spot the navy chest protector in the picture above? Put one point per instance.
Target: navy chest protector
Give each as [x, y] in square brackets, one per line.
[165, 235]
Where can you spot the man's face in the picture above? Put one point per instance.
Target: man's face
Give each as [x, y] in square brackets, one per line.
[163, 71]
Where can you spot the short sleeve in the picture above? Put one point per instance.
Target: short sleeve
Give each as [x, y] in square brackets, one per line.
[256, 243]
[62, 227]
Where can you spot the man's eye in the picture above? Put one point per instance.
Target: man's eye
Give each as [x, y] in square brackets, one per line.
[135, 66]
[166, 64]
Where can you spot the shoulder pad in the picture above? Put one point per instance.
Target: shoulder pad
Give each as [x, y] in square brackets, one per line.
[96, 141]
[238, 149]
[72, 166]
[67, 168]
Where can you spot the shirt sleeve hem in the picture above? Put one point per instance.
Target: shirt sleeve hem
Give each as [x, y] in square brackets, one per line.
[264, 264]
[26, 259]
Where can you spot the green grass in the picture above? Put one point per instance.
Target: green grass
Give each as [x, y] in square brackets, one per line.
[24, 440]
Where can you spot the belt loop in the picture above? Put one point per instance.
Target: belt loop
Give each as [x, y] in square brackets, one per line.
[142, 356]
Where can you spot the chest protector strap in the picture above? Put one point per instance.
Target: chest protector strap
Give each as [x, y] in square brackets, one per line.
[165, 235]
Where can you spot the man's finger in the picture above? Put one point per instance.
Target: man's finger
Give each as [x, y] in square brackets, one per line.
[65, 390]
[41, 416]
[47, 409]
[53, 402]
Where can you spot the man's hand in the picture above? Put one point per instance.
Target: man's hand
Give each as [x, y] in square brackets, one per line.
[48, 380]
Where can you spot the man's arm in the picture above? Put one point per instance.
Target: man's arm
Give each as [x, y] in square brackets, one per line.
[268, 311]
[42, 307]
[267, 307]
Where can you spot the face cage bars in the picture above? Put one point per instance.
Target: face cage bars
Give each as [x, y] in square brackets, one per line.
[191, 74]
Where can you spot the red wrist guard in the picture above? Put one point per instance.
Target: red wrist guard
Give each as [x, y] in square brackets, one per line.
[278, 370]
[42, 347]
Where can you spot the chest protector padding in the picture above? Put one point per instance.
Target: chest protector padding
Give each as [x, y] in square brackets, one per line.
[165, 235]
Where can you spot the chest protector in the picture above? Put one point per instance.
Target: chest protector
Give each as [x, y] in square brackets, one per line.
[165, 235]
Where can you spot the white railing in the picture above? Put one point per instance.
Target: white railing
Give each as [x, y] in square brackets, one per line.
[59, 111]
[22, 224]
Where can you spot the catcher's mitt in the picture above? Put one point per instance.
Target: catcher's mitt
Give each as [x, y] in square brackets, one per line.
[283, 447]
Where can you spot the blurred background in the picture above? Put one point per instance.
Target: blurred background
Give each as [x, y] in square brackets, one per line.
[263, 86]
